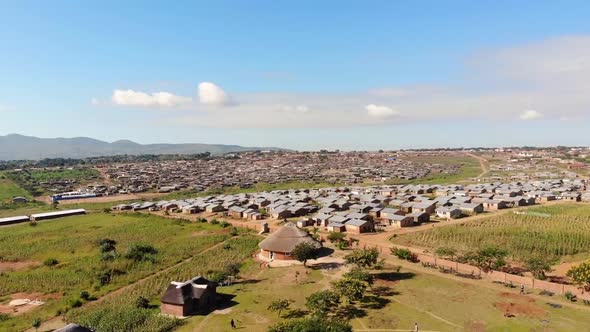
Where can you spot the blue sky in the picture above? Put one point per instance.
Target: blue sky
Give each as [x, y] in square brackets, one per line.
[301, 74]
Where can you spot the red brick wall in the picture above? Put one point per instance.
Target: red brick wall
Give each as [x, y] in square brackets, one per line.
[172, 309]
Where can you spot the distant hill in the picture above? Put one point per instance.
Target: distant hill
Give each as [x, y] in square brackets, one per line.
[20, 147]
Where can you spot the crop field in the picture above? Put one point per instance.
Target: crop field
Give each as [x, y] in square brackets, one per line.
[561, 230]
[70, 245]
[117, 313]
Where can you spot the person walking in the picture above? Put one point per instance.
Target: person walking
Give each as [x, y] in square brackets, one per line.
[233, 324]
[521, 289]
[416, 328]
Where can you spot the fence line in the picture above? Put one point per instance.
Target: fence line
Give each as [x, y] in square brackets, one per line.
[492, 275]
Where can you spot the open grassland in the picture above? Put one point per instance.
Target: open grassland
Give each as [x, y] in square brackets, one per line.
[72, 242]
[118, 313]
[407, 297]
[469, 168]
[561, 230]
[9, 189]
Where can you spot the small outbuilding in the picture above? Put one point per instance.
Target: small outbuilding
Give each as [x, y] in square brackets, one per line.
[195, 296]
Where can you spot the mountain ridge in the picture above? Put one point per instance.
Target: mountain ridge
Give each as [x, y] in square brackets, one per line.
[22, 147]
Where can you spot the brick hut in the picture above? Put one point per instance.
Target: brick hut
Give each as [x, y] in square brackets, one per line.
[279, 244]
[188, 298]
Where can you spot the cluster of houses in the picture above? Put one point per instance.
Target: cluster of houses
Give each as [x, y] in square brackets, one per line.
[365, 209]
[248, 168]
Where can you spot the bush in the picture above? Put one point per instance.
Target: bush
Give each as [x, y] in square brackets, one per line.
[214, 222]
[50, 262]
[570, 296]
[336, 237]
[84, 295]
[233, 231]
[141, 252]
[76, 303]
[142, 303]
[4, 317]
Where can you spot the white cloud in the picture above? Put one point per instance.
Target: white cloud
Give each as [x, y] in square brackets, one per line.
[212, 95]
[301, 109]
[531, 115]
[380, 111]
[154, 100]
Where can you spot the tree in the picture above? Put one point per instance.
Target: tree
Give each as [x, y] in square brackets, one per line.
[539, 266]
[36, 324]
[280, 305]
[581, 275]
[322, 302]
[446, 252]
[336, 237]
[489, 258]
[359, 274]
[351, 289]
[363, 257]
[403, 254]
[141, 252]
[315, 324]
[304, 251]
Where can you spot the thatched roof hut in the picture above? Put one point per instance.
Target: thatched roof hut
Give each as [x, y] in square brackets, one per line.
[279, 244]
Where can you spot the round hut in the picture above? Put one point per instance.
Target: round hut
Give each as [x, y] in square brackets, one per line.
[279, 244]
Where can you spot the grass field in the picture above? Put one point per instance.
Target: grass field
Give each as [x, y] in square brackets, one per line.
[469, 168]
[72, 241]
[561, 230]
[116, 313]
[436, 303]
[9, 189]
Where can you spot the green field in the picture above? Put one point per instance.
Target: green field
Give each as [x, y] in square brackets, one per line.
[436, 303]
[469, 168]
[72, 241]
[561, 230]
[9, 189]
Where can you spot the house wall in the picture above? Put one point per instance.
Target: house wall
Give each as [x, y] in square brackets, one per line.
[277, 255]
[172, 309]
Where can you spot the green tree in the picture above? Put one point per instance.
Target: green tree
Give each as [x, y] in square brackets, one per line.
[359, 274]
[315, 324]
[539, 266]
[488, 258]
[580, 275]
[232, 269]
[322, 302]
[107, 245]
[142, 302]
[352, 289]
[363, 257]
[304, 251]
[336, 237]
[280, 305]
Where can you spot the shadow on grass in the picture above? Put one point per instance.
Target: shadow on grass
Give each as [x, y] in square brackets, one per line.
[383, 291]
[295, 313]
[225, 301]
[349, 312]
[374, 302]
[394, 276]
[247, 281]
[326, 266]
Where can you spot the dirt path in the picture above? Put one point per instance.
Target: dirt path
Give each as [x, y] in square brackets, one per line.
[484, 164]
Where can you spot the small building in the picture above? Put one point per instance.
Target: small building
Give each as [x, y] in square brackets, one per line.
[400, 221]
[424, 206]
[195, 296]
[358, 226]
[419, 217]
[279, 244]
[336, 227]
[57, 214]
[448, 212]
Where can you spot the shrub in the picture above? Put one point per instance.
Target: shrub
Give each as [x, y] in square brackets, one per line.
[336, 237]
[214, 222]
[570, 296]
[224, 224]
[84, 295]
[363, 258]
[4, 317]
[141, 252]
[142, 303]
[50, 262]
[404, 254]
[233, 231]
[76, 303]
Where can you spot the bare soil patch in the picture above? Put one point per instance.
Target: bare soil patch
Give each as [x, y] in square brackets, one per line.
[16, 266]
[30, 301]
[475, 326]
[518, 305]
